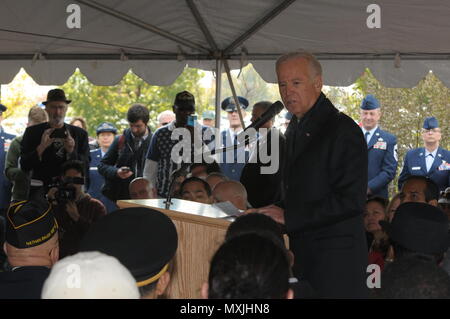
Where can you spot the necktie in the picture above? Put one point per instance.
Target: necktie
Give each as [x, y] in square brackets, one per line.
[367, 137]
[429, 161]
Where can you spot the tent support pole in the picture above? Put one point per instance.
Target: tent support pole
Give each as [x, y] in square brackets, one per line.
[218, 90]
[258, 25]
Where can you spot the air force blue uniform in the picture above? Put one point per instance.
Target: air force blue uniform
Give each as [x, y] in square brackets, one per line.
[233, 161]
[97, 180]
[382, 153]
[416, 163]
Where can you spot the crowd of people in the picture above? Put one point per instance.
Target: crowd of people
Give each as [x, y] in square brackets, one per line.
[329, 196]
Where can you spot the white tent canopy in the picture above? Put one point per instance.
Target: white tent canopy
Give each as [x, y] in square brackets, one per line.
[157, 39]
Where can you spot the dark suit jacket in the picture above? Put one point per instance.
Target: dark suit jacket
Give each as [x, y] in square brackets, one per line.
[23, 283]
[325, 178]
[265, 189]
[52, 160]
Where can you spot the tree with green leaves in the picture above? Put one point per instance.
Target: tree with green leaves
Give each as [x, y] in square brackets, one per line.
[403, 109]
[110, 103]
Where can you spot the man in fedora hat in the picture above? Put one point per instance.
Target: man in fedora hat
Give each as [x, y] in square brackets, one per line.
[45, 147]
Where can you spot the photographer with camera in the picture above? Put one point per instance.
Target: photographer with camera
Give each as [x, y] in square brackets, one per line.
[74, 210]
[125, 158]
[47, 146]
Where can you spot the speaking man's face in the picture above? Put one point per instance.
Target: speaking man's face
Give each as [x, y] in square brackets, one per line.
[298, 85]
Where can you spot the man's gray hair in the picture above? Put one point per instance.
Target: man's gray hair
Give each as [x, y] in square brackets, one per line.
[301, 54]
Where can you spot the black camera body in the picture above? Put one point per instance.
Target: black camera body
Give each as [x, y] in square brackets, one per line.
[66, 193]
[59, 133]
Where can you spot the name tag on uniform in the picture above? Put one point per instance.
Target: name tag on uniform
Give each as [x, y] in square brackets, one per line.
[380, 145]
[444, 166]
[94, 168]
[415, 168]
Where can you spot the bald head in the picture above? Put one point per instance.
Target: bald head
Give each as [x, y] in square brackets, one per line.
[231, 191]
[141, 188]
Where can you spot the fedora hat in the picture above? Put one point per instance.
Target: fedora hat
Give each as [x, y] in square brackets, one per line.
[56, 95]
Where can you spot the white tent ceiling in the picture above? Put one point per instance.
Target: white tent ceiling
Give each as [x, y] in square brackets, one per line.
[158, 38]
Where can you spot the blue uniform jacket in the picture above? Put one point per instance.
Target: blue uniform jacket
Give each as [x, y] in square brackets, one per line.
[233, 166]
[5, 184]
[415, 165]
[382, 162]
[97, 181]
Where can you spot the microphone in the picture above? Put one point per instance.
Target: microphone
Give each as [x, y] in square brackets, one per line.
[273, 110]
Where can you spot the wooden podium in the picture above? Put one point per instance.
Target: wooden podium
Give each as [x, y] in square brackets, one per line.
[201, 230]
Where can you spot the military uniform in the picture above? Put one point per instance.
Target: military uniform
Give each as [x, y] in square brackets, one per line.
[233, 161]
[97, 180]
[416, 162]
[382, 154]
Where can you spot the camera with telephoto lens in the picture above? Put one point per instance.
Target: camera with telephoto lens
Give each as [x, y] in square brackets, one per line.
[65, 192]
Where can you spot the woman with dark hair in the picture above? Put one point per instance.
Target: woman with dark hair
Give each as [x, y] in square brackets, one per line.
[377, 238]
[249, 266]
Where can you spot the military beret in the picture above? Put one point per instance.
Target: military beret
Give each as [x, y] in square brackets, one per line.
[30, 223]
[3, 108]
[419, 227]
[228, 104]
[144, 240]
[185, 100]
[430, 123]
[370, 103]
[208, 115]
[106, 127]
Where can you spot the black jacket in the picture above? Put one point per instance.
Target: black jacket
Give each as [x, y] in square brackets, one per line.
[264, 189]
[54, 156]
[325, 175]
[122, 153]
[23, 283]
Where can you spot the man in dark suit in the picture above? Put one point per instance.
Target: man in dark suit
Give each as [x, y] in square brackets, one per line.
[262, 173]
[381, 146]
[325, 184]
[46, 146]
[32, 249]
[431, 161]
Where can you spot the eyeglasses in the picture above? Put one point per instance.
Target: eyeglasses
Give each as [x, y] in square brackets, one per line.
[433, 130]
